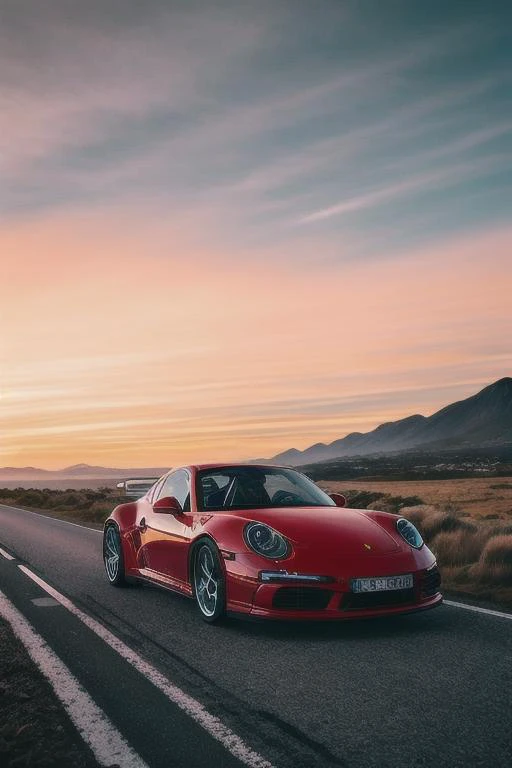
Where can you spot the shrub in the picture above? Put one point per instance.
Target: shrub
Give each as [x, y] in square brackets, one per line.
[57, 500]
[32, 498]
[394, 504]
[104, 490]
[456, 574]
[361, 499]
[450, 508]
[70, 499]
[460, 547]
[503, 529]
[407, 501]
[417, 513]
[495, 564]
[97, 512]
[498, 550]
[443, 522]
[383, 505]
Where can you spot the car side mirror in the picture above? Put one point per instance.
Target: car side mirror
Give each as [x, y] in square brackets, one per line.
[338, 499]
[169, 505]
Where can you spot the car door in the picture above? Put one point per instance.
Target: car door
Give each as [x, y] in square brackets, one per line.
[165, 536]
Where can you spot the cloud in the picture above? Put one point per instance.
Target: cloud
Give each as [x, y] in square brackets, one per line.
[451, 176]
[152, 106]
[156, 159]
[70, 80]
[189, 359]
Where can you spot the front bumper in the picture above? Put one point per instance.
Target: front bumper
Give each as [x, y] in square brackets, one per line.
[329, 614]
[335, 600]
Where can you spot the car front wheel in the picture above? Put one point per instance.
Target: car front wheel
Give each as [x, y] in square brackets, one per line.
[209, 582]
[113, 556]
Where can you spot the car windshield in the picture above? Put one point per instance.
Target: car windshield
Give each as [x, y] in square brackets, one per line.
[247, 487]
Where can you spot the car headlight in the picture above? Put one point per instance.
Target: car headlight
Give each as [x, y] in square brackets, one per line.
[409, 533]
[263, 540]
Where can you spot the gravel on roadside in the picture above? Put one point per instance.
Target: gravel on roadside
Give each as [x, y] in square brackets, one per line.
[35, 729]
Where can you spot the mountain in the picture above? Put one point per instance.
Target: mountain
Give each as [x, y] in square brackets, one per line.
[78, 471]
[86, 470]
[482, 419]
[19, 472]
[485, 419]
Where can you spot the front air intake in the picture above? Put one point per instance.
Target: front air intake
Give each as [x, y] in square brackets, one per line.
[301, 599]
[367, 600]
[430, 582]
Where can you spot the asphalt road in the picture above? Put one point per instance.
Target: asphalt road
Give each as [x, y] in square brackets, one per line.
[431, 689]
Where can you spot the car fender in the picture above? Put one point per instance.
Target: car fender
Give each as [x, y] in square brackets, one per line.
[124, 516]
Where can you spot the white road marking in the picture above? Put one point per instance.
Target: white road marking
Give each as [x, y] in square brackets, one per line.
[49, 517]
[6, 554]
[477, 609]
[45, 602]
[95, 728]
[215, 727]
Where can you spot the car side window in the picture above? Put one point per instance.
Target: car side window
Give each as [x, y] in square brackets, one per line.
[213, 488]
[177, 485]
[153, 494]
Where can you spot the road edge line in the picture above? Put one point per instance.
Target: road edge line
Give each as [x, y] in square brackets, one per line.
[6, 554]
[476, 608]
[95, 728]
[233, 743]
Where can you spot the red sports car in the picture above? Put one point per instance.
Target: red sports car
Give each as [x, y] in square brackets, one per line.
[265, 541]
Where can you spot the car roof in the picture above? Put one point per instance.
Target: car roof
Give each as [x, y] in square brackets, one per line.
[229, 464]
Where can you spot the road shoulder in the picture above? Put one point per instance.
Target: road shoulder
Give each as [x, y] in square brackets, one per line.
[35, 728]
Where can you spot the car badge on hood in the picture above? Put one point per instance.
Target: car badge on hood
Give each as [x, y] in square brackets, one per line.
[367, 546]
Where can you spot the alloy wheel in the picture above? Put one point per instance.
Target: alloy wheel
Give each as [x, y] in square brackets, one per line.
[206, 581]
[112, 553]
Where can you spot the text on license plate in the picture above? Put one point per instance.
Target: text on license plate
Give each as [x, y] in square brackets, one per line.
[383, 583]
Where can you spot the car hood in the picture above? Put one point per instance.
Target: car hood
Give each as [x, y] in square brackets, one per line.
[344, 530]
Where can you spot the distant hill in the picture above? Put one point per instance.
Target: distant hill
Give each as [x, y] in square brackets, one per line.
[78, 471]
[483, 419]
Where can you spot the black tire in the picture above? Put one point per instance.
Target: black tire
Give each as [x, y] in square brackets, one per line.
[209, 580]
[112, 546]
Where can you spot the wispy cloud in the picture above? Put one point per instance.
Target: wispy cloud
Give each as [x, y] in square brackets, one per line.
[155, 165]
[438, 179]
[373, 198]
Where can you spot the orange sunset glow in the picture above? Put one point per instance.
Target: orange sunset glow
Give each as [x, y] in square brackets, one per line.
[194, 270]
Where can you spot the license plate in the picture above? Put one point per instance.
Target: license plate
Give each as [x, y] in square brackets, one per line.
[382, 584]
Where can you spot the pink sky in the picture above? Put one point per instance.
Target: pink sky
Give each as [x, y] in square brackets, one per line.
[230, 230]
[133, 345]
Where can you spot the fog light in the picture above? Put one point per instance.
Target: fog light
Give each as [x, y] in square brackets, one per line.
[285, 576]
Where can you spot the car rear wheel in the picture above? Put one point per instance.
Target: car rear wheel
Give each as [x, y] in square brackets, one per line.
[209, 582]
[113, 556]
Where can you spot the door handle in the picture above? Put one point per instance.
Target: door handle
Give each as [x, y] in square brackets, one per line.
[142, 524]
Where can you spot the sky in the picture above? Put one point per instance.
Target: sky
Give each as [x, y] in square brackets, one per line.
[232, 228]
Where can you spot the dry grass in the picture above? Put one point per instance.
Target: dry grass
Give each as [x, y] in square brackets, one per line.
[444, 522]
[418, 512]
[455, 548]
[478, 498]
[495, 563]
[84, 506]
